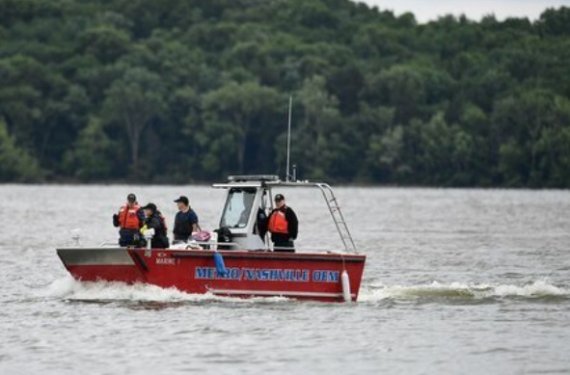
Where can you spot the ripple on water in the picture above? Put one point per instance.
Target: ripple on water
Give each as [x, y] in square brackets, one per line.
[499, 304]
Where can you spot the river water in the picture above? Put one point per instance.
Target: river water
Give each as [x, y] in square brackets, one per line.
[456, 281]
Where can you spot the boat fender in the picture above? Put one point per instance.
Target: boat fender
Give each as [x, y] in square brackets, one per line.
[219, 262]
[345, 286]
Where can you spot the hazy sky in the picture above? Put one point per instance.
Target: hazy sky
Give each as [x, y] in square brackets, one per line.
[426, 10]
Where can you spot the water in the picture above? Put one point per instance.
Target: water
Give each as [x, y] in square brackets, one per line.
[456, 281]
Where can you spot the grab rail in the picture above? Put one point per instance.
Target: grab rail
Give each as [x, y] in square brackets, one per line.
[338, 217]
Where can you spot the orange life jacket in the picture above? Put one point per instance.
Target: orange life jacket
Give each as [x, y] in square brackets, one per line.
[128, 217]
[278, 222]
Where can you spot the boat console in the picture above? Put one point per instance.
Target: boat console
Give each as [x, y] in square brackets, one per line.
[250, 199]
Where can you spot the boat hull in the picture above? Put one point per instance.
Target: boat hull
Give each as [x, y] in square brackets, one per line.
[313, 276]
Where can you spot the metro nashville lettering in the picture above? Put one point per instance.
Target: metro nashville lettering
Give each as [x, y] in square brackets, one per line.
[266, 274]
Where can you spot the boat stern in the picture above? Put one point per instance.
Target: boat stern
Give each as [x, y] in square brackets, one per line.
[101, 264]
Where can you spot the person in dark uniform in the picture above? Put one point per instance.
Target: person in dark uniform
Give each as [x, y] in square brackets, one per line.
[283, 225]
[155, 220]
[186, 220]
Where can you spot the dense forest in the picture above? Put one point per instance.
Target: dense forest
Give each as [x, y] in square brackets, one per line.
[189, 90]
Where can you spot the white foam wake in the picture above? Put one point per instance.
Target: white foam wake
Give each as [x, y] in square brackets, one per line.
[70, 289]
[536, 289]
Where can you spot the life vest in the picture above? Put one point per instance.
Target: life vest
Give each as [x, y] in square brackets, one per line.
[128, 217]
[278, 222]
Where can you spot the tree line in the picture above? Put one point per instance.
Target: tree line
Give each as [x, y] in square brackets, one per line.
[172, 91]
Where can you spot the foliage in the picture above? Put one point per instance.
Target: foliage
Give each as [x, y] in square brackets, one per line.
[177, 91]
[15, 163]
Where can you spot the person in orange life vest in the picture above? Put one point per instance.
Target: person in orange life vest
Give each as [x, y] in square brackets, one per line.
[155, 220]
[283, 225]
[129, 219]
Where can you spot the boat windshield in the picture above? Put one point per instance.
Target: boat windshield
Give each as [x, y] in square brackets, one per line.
[238, 207]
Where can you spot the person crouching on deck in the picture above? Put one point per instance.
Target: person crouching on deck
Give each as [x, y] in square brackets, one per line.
[129, 219]
[283, 225]
[155, 220]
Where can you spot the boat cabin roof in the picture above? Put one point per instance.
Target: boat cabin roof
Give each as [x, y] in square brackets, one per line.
[258, 181]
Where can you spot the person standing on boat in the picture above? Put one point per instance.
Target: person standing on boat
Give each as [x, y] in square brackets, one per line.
[283, 225]
[186, 220]
[129, 219]
[155, 220]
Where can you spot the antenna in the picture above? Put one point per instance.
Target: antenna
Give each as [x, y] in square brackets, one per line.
[287, 171]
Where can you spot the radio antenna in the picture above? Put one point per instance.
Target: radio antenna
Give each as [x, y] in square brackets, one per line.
[288, 174]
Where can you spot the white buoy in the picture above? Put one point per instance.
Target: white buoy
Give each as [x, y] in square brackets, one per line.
[345, 286]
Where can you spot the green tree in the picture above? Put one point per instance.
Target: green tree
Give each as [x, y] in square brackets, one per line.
[555, 21]
[400, 87]
[237, 116]
[133, 102]
[197, 89]
[385, 154]
[92, 155]
[15, 163]
[313, 137]
[106, 43]
[521, 121]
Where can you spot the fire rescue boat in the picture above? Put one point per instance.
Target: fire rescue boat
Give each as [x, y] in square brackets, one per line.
[241, 261]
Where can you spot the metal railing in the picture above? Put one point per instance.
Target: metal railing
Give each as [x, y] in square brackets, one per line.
[338, 217]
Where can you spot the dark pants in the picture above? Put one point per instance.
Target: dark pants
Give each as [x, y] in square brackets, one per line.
[284, 246]
[128, 237]
[159, 242]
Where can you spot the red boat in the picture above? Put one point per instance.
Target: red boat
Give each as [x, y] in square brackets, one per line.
[245, 265]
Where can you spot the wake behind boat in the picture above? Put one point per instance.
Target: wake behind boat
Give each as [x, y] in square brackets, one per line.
[239, 260]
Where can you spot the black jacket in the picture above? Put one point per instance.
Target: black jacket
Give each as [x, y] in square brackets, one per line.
[292, 224]
[156, 222]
